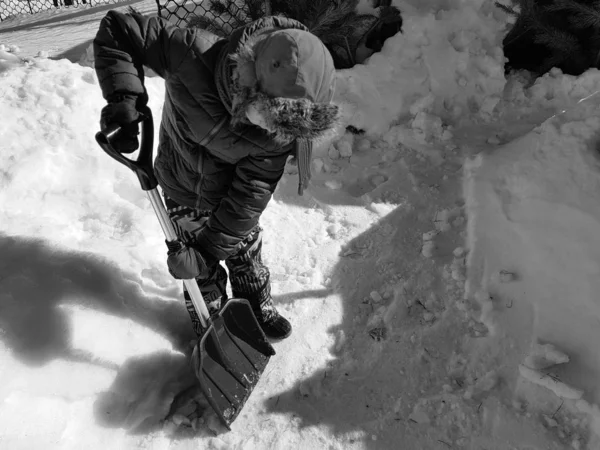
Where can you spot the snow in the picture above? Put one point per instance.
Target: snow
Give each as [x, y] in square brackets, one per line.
[440, 273]
[537, 196]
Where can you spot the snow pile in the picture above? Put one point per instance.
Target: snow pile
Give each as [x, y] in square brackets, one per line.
[88, 200]
[8, 57]
[553, 90]
[446, 64]
[443, 72]
[534, 213]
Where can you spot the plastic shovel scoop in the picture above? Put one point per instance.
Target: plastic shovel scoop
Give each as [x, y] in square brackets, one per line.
[233, 351]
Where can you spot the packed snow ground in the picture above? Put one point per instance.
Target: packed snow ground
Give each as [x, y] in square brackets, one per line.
[440, 273]
[61, 33]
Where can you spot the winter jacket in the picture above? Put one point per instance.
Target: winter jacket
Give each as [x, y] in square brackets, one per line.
[201, 163]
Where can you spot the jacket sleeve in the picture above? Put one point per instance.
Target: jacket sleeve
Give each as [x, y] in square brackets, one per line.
[126, 42]
[238, 213]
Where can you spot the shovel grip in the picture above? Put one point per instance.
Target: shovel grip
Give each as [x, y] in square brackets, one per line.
[142, 166]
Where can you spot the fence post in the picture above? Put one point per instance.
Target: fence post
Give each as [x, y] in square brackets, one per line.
[267, 7]
[30, 8]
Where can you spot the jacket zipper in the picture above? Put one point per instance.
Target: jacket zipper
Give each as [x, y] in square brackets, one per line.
[203, 143]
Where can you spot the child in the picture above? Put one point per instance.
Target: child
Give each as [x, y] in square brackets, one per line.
[235, 109]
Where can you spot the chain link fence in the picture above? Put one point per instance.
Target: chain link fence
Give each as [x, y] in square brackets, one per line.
[341, 28]
[218, 16]
[11, 8]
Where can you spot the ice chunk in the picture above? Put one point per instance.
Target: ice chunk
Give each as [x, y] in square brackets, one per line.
[333, 184]
[542, 356]
[552, 383]
[344, 148]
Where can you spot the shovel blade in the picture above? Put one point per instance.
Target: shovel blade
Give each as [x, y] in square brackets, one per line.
[230, 357]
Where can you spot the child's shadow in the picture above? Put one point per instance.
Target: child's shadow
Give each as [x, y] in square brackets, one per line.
[37, 279]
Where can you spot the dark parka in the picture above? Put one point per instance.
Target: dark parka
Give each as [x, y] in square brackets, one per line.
[200, 162]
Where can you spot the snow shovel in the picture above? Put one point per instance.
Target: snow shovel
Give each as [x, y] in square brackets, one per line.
[233, 351]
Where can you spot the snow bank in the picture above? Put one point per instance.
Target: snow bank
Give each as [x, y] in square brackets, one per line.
[83, 199]
[451, 57]
[445, 71]
[534, 212]
[8, 58]
[63, 32]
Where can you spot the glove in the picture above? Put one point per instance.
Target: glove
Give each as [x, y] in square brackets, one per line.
[185, 262]
[122, 110]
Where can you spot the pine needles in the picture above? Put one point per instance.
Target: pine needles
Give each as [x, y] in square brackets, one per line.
[579, 15]
[553, 33]
[335, 22]
[223, 16]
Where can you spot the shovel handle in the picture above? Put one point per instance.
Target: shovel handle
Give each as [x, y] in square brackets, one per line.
[167, 226]
[143, 168]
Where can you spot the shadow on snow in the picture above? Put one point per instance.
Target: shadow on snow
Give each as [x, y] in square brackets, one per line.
[37, 279]
[366, 393]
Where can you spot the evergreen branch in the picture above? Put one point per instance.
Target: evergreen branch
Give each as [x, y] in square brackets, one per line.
[526, 7]
[335, 22]
[580, 20]
[594, 49]
[255, 9]
[521, 27]
[549, 63]
[581, 16]
[559, 40]
[568, 29]
[527, 20]
[217, 7]
[327, 16]
[350, 54]
[205, 23]
[547, 34]
[531, 7]
[507, 9]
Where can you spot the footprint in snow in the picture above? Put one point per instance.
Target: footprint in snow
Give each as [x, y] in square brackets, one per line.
[366, 184]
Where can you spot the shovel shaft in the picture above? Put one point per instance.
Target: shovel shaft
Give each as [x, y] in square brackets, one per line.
[142, 167]
[198, 301]
[161, 215]
[169, 231]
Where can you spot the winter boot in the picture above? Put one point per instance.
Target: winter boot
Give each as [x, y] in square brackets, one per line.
[250, 279]
[274, 325]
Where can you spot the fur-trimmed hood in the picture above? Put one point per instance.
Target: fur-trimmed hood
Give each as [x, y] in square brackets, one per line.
[286, 118]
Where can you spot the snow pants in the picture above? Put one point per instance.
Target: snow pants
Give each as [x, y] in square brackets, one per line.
[249, 277]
